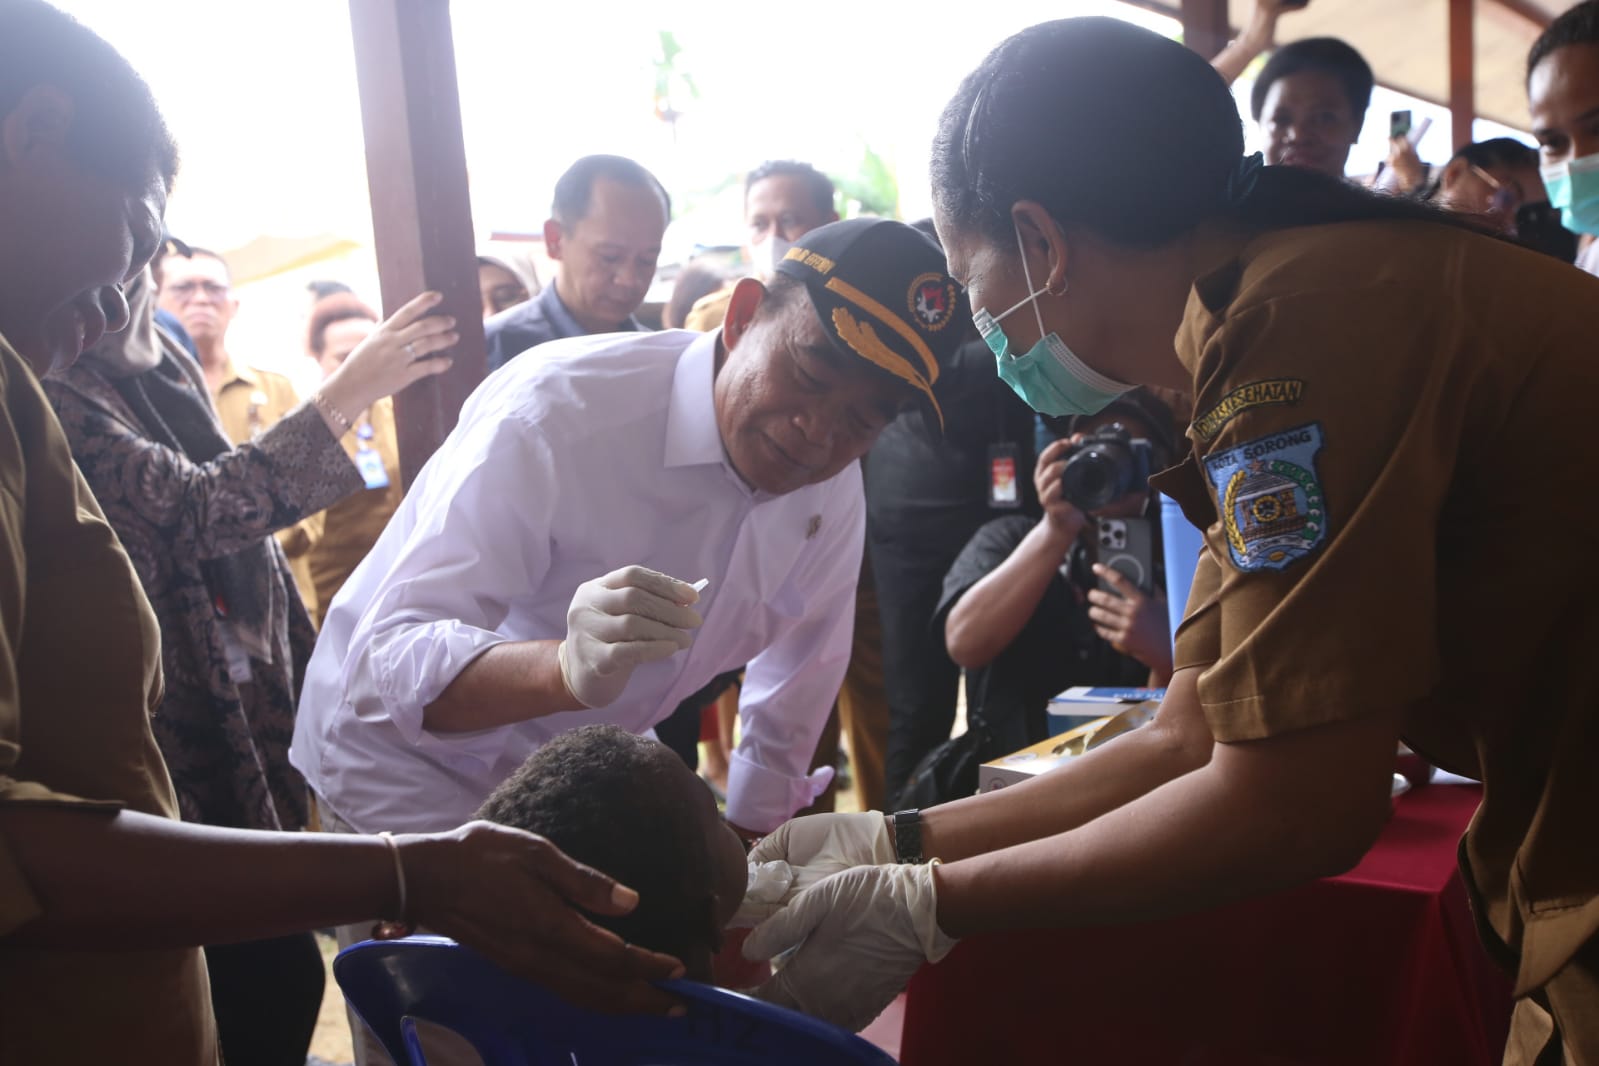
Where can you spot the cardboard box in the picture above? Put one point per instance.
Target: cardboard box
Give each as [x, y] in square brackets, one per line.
[1080, 705]
[1057, 751]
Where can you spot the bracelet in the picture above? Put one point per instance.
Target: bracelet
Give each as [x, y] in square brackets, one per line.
[333, 414]
[399, 872]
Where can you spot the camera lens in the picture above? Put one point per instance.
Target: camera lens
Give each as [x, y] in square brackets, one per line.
[1091, 479]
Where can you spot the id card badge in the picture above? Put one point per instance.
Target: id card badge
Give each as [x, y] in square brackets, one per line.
[369, 462]
[233, 653]
[1003, 492]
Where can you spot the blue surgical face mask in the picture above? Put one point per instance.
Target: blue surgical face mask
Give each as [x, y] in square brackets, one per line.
[1049, 376]
[1574, 189]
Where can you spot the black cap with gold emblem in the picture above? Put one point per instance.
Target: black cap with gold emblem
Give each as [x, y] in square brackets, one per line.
[882, 294]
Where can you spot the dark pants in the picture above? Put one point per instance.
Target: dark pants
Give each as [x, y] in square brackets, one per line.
[266, 994]
[919, 676]
[926, 495]
[680, 730]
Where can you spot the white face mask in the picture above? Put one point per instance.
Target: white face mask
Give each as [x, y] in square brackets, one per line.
[766, 255]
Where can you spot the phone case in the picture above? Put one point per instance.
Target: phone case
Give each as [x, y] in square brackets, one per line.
[1127, 545]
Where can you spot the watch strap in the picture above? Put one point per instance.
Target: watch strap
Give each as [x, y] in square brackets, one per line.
[908, 835]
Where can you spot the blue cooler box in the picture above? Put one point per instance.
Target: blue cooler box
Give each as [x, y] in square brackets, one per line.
[1181, 543]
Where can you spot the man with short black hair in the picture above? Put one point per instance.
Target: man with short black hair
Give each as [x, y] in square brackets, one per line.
[605, 228]
[197, 287]
[783, 200]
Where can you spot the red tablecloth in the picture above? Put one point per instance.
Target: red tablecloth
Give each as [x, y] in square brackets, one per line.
[1380, 965]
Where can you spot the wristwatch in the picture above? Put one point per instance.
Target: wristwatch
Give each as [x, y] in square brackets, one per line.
[908, 835]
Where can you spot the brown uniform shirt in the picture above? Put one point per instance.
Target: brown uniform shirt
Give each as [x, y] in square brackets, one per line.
[77, 736]
[341, 536]
[250, 401]
[1393, 459]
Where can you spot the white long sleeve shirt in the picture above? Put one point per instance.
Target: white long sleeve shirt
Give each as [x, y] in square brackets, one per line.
[577, 458]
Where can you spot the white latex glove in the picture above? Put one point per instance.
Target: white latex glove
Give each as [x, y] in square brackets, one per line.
[816, 847]
[618, 622]
[861, 934]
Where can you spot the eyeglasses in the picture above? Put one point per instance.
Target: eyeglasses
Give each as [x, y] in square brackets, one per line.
[1505, 197]
[185, 290]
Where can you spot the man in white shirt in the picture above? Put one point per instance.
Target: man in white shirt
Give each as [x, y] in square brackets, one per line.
[521, 589]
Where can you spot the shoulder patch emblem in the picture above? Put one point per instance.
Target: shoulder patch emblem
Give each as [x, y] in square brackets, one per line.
[1270, 499]
[932, 301]
[1241, 399]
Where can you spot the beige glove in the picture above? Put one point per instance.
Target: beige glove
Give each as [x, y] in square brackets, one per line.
[816, 847]
[861, 935]
[618, 622]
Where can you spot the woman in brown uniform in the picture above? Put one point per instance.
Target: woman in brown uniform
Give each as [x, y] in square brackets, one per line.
[1390, 458]
[105, 896]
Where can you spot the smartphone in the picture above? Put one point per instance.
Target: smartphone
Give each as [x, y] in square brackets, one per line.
[1399, 124]
[1294, 5]
[1127, 546]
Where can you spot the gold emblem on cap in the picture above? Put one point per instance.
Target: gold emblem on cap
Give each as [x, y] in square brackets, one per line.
[865, 342]
[888, 318]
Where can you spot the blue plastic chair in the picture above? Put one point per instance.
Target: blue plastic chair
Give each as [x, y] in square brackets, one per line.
[392, 984]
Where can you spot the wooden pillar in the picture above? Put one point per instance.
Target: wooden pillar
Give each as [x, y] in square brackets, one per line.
[1462, 71]
[421, 214]
[1205, 26]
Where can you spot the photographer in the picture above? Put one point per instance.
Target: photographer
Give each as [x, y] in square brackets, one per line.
[1024, 611]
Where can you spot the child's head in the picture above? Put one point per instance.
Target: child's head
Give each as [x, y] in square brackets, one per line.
[629, 807]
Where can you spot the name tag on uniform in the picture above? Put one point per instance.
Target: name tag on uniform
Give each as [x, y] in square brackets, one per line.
[369, 462]
[1003, 491]
[233, 653]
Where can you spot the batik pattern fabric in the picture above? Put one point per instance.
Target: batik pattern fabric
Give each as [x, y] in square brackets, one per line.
[225, 737]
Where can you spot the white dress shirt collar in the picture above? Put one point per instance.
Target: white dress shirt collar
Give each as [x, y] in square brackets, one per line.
[693, 437]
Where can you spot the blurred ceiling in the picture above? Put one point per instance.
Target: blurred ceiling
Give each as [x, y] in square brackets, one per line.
[1407, 43]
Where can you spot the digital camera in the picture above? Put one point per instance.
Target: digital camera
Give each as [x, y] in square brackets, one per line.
[1107, 465]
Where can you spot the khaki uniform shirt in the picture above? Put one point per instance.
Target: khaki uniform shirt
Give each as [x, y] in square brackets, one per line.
[340, 536]
[78, 737]
[249, 401]
[709, 311]
[1393, 459]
